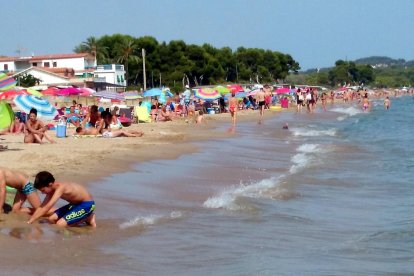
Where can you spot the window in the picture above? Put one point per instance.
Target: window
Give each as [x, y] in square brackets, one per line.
[46, 64]
[54, 64]
[34, 64]
[6, 67]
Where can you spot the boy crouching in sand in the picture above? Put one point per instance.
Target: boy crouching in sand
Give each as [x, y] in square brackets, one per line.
[24, 190]
[80, 208]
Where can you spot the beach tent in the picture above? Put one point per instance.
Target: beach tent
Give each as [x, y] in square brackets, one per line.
[6, 115]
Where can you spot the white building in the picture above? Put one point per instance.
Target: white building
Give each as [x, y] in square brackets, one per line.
[78, 69]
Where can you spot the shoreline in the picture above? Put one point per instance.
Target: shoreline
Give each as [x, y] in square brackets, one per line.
[88, 159]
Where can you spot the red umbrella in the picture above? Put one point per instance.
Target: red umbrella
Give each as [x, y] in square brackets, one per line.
[69, 91]
[9, 95]
[51, 91]
[282, 90]
[235, 88]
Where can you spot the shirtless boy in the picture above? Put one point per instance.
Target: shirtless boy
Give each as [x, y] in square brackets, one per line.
[387, 103]
[200, 118]
[24, 187]
[35, 129]
[80, 208]
[260, 98]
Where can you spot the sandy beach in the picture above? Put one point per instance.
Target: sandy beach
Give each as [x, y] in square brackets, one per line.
[84, 159]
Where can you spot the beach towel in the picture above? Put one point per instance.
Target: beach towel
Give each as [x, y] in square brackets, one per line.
[141, 112]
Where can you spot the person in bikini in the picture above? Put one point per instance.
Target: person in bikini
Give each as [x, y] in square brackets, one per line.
[73, 117]
[365, 102]
[233, 103]
[80, 207]
[107, 132]
[24, 190]
[36, 130]
[17, 127]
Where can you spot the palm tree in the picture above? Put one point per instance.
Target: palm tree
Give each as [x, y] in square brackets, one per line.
[124, 53]
[93, 47]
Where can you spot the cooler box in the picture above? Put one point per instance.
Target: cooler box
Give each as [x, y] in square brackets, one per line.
[61, 130]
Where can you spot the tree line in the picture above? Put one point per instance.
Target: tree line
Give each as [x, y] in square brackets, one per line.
[176, 63]
[358, 73]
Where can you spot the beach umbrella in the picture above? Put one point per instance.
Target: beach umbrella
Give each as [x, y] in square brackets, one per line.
[282, 90]
[153, 92]
[111, 95]
[222, 90]
[6, 115]
[44, 109]
[253, 92]
[6, 82]
[132, 95]
[85, 91]
[207, 94]
[238, 95]
[167, 92]
[9, 95]
[69, 91]
[33, 92]
[51, 91]
[235, 88]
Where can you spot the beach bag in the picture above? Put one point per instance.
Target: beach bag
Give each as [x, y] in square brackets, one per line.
[61, 129]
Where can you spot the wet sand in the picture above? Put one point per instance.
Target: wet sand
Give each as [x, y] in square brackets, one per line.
[44, 248]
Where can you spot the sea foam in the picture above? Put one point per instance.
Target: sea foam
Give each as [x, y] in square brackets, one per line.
[231, 198]
[150, 220]
[305, 156]
[313, 132]
[350, 111]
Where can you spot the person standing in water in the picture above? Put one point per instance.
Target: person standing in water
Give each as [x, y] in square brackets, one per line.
[387, 103]
[233, 103]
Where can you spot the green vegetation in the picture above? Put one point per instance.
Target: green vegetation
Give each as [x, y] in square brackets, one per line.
[379, 72]
[176, 63]
[27, 80]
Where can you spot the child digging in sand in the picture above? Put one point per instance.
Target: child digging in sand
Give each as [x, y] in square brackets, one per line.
[80, 208]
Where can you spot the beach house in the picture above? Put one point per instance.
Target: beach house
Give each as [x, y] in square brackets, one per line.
[79, 69]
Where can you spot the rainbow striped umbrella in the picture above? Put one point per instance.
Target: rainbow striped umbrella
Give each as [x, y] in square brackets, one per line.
[44, 109]
[6, 83]
[207, 94]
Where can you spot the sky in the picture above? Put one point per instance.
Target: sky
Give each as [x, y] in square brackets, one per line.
[316, 33]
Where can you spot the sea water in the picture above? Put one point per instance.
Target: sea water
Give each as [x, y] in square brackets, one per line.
[332, 195]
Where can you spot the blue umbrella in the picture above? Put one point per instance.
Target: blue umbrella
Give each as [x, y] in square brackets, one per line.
[153, 92]
[44, 109]
[238, 95]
